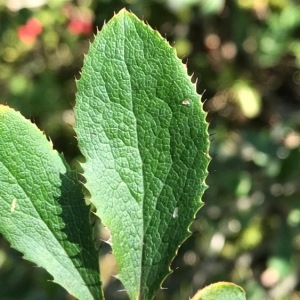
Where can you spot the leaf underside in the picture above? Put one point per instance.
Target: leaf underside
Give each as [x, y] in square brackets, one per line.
[142, 130]
[42, 210]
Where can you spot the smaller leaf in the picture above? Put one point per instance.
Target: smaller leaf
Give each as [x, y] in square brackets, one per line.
[221, 291]
[42, 210]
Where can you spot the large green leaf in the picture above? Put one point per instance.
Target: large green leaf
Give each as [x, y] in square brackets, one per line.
[42, 210]
[142, 130]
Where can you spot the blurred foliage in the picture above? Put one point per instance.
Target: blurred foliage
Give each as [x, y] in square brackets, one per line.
[246, 56]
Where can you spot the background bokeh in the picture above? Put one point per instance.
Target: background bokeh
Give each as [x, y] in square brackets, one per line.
[245, 55]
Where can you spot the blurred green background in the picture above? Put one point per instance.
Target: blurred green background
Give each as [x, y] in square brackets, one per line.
[246, 57]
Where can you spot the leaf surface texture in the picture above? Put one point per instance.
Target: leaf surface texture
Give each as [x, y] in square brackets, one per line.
[142, 130]
[42, 209]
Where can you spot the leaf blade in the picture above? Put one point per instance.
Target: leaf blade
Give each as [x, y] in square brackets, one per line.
[221, 291]
[42, 211]
[145, 147]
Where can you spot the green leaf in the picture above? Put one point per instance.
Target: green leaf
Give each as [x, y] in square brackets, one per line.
[42, 210]
[142, 130]
[221, 291]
